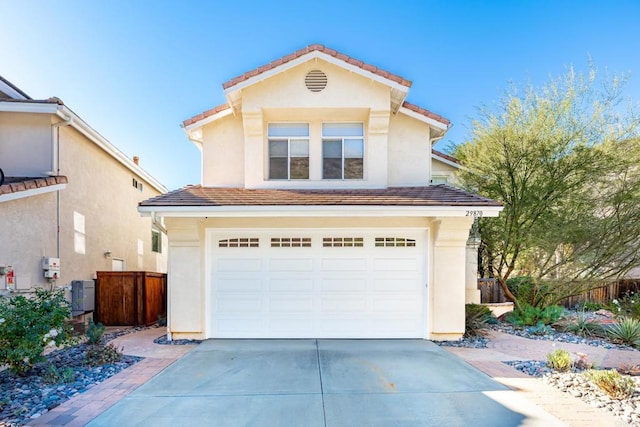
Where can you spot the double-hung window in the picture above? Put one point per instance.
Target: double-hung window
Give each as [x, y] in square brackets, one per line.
[288, 150]
[342, 150]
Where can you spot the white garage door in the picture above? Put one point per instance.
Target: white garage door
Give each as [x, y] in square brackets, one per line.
[317, 284]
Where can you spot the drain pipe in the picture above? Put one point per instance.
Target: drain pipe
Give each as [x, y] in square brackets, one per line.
[55, 168]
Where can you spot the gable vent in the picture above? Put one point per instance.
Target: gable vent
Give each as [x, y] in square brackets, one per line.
[315, 80]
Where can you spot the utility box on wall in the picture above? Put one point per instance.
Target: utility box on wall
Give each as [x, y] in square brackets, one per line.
[83, 296]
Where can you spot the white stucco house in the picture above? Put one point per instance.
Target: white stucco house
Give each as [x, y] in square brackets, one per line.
[316, 216]
[69, 194]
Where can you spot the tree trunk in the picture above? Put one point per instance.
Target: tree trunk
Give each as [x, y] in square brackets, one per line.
[508, 293]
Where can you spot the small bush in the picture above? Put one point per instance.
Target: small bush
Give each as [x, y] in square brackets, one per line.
[54, 375]
[540, 329]
[94, 332]
[591, 306]
[560, 360]
[627, 305]
[529, 315]
[617, 386]
[528, 290]
[476, 319]
[626, 331]
[584, 327]
[97, 355]
[28, 325]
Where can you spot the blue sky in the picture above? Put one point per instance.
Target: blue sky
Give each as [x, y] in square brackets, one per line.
[135, 69]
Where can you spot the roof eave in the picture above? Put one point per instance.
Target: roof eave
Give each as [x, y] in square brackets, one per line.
[320, 211]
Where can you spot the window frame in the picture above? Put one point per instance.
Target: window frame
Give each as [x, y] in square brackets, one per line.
[343, 139]
[289, 140]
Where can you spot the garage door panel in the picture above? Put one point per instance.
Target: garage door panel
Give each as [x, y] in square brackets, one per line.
[291, 285]
[396, 285]
[291, 328]
[239, 285]
[400, 305]
[344, 264]
[237, 304]
[343, 285]
[395, 264]
[239, 264]
[343, 304]
[291, 264]
[284, 305]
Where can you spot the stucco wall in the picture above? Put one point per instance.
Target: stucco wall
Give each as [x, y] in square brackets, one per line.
[223, 153]
[25, 144]
[409, 152]
[27, 233]
[441, 171]
[102, 190]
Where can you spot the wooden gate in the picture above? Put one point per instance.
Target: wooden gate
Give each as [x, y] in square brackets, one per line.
[130, 298]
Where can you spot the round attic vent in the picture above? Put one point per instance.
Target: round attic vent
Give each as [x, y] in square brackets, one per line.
[315, 80]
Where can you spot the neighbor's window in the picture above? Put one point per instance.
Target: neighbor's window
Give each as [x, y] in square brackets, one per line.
[342, 150]
[288, 150]
[156, 241]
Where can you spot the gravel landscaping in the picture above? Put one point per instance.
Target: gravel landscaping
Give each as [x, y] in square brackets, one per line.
[573, 382]
[25, 398]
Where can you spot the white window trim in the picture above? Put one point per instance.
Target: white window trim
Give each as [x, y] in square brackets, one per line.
[343, 139]
[289, 139]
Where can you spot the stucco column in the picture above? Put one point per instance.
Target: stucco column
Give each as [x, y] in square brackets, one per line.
[447, 286]
[378, 138]
[185, 311]
[254, 152]
[471, 290]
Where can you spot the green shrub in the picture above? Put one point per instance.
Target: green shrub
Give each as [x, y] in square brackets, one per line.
[591, 306]
[53, 375]
[540, 329]
[94, 332]
[97, 355]
[476, 319]
[28, 325]
[560, 360]
[529, 315]
[626, 331]
[530, 291]
[584, 327]
[627, 305]
[617, 386]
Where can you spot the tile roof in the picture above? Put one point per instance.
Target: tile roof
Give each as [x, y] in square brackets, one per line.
[316, 48]
[426, 113]
[205, 114]
[15, 184]
[445, 156]
[433, 195]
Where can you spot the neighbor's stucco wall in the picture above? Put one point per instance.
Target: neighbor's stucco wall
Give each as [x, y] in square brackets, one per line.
[441, 172]
[27, 233]
[101, 189]
[25, 144]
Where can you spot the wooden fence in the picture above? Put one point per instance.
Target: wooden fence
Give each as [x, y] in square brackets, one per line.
[491, 292]
[130, 298]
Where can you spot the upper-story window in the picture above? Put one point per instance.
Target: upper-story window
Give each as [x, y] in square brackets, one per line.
[342, 150]
[288, 150]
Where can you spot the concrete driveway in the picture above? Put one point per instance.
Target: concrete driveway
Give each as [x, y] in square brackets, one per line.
[322, 383]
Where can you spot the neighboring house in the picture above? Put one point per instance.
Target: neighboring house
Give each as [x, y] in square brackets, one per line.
[68, 194]
[315, 217]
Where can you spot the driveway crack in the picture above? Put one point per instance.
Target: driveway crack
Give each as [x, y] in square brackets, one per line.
[324, 414]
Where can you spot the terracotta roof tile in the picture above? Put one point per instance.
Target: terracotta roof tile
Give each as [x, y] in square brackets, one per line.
[205, 114]
[433, 195]
[316, 48]
[15, 184]
[445, 156]
[426, 113]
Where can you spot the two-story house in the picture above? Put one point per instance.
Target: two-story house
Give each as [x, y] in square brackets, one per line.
[316, 217]
[69, 194]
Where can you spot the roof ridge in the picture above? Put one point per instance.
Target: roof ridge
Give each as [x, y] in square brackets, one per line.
[316, 48]
[427, 113]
